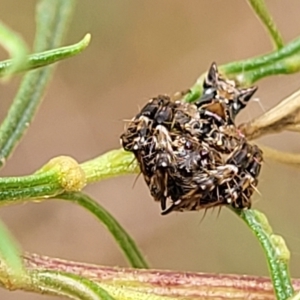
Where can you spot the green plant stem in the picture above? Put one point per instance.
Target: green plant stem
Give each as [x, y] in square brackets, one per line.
[286, 66]
[64, 174]
[262, 13]
[167, 284]
[275, 250]
[36, 193]
[46, 58]
[59, 175]
[69, 285]
[288, 51]
[16, 47]
[11, 183]
[113, 164]
[52, 20]
[246, 72]
[12, 272]
[110, 164]
[125, 242]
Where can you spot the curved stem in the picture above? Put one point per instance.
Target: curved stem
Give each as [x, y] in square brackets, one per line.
[262, 13]
[17, 48]
[68, 285]
[125, 242]
[275, 250]
[12, 271]
[277, 254]
[52, 20]
[64, 174]
[246, 72]
[45, 58]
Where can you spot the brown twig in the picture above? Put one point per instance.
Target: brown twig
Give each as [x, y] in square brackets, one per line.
[283, 116]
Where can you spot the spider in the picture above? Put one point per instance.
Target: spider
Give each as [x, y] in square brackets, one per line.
[192, 154]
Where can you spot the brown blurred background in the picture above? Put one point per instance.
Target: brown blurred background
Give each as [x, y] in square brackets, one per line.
[140, 49]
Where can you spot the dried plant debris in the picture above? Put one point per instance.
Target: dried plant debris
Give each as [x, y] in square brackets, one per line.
[192, 155]
[284, 116]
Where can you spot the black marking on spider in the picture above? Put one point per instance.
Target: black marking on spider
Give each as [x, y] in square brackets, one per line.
[191, 154]
[222, 96]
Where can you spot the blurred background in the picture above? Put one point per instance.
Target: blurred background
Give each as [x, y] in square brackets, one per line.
[140, 49]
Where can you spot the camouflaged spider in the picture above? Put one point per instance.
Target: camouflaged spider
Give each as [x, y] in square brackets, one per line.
[192, 154]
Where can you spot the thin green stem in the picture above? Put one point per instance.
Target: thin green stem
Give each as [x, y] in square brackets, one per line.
[46, 58]
[68, 285]
[56, 14]
[287, 66]
[288, 51]
[7, 183]
[16, 47]
[246, 72]
[263, 14]
[12, 272]
[60, 174]
[52, 19]
[65, 174]
[275, 250]
[110, 164]
[36, 193]
[124, 240]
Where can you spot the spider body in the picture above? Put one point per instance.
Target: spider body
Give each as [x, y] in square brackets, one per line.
[193, 155]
